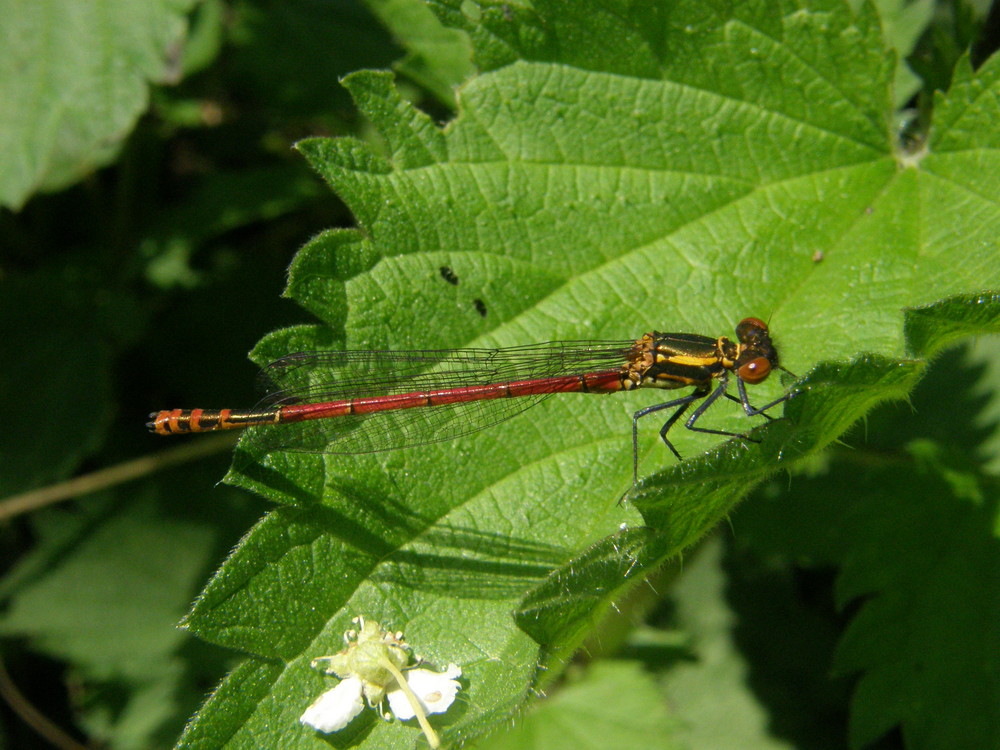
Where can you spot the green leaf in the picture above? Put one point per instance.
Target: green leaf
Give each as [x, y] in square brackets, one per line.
[763, 641]
[438, 58]
[927, 636]
[932, 328]
[73, 80]
[986, 356]
[560, 609]
[918, 548]
[698, 165]
[903, 22]
[66, 617]
[611, 699]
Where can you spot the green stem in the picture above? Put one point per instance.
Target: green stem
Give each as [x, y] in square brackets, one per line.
[432, 739]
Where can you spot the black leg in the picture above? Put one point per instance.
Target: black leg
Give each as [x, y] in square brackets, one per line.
[682, 405]
[750, 409]
[731, 397]
[716, 394]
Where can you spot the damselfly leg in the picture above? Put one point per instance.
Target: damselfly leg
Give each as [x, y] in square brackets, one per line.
[682, 404]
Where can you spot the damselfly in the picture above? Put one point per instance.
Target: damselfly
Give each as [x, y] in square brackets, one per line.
[369, 401]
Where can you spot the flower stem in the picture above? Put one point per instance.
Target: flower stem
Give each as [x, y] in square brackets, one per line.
[432, 739]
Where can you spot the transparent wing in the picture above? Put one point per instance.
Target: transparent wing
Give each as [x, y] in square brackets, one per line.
[312, 377]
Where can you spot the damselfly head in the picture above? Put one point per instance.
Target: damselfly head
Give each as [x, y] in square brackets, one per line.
[757, 353]
[751, 330]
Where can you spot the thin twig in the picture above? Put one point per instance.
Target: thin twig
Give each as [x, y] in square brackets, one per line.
[31, 716]
[113, 475]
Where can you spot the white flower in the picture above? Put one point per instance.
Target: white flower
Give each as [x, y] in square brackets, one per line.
[371, 668]
[334, 710]
[434, 690]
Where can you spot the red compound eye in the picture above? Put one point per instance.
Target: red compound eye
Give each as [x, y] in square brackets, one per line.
[755, 371]
[751, 328]
[754, 323]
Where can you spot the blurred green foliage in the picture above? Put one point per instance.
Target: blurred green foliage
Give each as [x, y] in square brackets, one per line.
[153, 204]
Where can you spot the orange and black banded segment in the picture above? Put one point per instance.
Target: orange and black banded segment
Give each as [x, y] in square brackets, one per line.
[180, 421]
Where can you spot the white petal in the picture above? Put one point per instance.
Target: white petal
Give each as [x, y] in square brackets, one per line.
[435, 691]
[334, 710]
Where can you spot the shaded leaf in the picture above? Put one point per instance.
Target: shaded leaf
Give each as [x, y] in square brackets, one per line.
[710, 691]
[909, 521]
[48, 379]
[289, 55]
